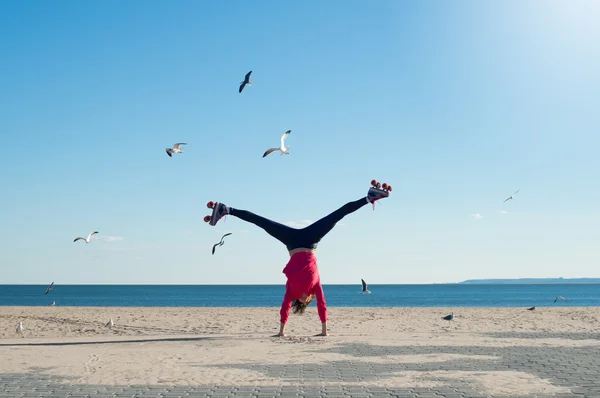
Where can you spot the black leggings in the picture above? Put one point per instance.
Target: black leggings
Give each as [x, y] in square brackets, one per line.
[307, 237]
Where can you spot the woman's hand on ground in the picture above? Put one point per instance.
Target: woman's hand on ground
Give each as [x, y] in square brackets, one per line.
[323, 330]
[281, 330]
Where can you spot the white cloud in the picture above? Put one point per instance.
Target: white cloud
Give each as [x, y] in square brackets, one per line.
[110, 238]
[298, 224]
[476, 216]
[129, 249]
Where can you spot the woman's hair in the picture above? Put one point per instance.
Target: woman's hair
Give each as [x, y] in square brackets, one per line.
[299, 306]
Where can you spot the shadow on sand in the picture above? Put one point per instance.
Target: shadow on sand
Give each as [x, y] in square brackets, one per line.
[150, 340]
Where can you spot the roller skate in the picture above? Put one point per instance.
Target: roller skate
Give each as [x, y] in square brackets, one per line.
[219, 210]
[378, 191]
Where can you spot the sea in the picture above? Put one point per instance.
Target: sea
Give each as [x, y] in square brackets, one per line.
[436, 295]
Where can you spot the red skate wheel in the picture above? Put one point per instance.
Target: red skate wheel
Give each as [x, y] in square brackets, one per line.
[378, 185]
[389, 188]
[206, 218]
[384, 185]
[374, 182]
[210, 204]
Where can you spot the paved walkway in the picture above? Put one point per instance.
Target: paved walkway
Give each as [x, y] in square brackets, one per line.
[575, 369]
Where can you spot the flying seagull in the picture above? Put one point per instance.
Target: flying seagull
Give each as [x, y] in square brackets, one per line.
[283, 149]
[49, 288]
[364, 290]
[531, 308]
[246, 82]
[559, 297]
[110, 324]
[176, 149]
[511, 196]
[221, 243]
[20, 329]
[87, 240]
[448, 317]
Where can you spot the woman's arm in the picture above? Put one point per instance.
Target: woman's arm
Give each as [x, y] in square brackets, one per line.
[323, 329]
[281, 330]
[285, 311]
[321, 308]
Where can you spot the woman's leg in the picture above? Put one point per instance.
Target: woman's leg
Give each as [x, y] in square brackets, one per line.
[281, 232]
[317, 230]
[293, 237]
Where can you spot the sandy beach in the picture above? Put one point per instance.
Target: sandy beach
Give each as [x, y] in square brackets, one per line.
[377, 347]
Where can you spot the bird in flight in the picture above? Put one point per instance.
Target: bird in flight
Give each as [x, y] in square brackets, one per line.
[221, 243]
[559, 298]
[49, 288]
[283, 149]
[511, 196]
[246, 82]
[176, 149]
[364, 287]
[87, 240]
[448, 317]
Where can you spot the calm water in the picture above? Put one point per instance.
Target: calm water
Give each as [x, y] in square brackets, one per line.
[451, 295]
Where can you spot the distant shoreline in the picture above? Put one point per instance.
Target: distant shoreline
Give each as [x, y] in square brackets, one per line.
[529, 281]
[522, 281]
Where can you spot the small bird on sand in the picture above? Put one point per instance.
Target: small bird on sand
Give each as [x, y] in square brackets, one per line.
[20, 329]
[364, 287]
[110, 324]
[88, 239]
[559, 298]
[49, 288]
[448, 317]
[246, 82]
[52, 304]
[511, 196]
[531, 308]
[283, 149]
[221, 243]
[176, 149]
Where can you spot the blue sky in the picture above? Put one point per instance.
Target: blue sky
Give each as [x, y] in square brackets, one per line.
[456, 104]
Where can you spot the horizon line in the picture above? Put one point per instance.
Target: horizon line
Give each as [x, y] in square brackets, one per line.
[499, 281]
